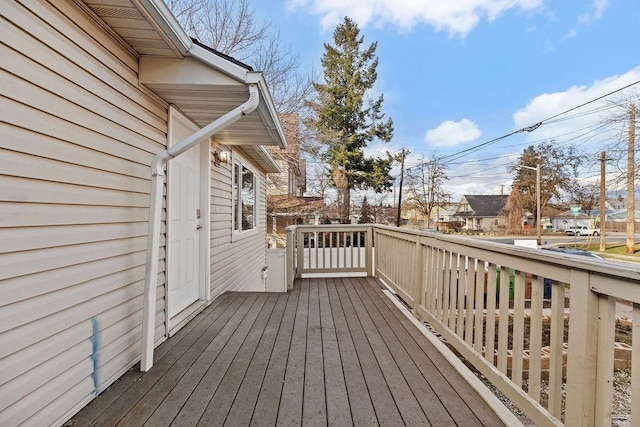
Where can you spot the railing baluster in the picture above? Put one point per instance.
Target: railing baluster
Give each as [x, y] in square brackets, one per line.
[446, 289]
[344, 249]
[556, 357]
[455, 288]
[462, 283]
[479, 309]
[503, 318]
[351, 244]
[490, 318]
[331, 250]
[469, 276]
[431, 266]
[439, 289]
[535, 337]
[359, 235]
[518, 329]
[324, 251]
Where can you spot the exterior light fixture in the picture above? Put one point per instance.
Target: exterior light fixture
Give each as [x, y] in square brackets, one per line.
[221, 157]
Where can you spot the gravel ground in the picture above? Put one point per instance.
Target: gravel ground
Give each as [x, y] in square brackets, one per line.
[621, 406]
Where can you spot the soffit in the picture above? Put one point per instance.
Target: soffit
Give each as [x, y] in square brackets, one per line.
[204, 86]
[137, 30]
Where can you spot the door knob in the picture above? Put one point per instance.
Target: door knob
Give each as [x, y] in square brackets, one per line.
[198, 227]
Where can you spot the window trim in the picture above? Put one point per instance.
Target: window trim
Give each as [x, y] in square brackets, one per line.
[236, 195]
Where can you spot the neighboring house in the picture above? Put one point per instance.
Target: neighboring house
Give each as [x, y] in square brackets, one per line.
[91, 92]
[442, 217]
[566, 219]
[481, 212]
[292, 179]
[442, 213]
[284, 210]
[286, 203]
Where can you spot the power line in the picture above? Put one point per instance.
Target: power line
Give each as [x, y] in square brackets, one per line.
[533, 127]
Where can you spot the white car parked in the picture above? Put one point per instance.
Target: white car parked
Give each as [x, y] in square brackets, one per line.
[582, 230]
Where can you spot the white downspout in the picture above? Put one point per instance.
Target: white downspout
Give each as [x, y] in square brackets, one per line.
[155, 210]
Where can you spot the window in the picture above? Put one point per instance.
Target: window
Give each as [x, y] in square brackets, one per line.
[244, 198]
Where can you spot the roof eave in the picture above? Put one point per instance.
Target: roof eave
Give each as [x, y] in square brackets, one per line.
[161, 17]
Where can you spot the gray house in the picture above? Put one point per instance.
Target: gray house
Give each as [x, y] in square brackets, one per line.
[481, 212]
[92, 94]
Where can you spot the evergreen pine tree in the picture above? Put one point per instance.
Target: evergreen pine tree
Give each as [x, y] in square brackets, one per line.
[346, 119]
[366, 214]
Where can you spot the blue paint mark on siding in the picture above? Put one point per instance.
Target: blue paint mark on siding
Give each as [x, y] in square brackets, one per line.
[94, 353]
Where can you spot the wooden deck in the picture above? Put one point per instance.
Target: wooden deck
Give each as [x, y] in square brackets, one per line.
[331, 352]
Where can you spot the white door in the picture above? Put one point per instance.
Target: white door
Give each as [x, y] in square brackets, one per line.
[183, 224]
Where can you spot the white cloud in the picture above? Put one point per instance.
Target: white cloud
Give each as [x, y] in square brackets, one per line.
[549, 104]
[457, 17]
[571, 34]
[599, 6]
[450, 133]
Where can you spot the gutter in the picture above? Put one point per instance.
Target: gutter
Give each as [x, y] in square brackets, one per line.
[155, 210]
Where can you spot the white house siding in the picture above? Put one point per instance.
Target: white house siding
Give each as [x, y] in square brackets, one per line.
[77, 136]
[236, 259]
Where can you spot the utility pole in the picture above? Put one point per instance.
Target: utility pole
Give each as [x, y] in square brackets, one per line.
[400, 189]
[603, 201]
[631, 200]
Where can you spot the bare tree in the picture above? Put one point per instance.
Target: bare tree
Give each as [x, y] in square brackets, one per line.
[514, 211]
[587, 195]
[230, 27]
[424, 185]
[559, 167]
[318, 180]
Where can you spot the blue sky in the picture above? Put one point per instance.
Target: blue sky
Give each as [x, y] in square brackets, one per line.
[455, 74]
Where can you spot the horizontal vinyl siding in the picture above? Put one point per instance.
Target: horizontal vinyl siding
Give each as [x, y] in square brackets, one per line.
[236, 259]
[77, 136]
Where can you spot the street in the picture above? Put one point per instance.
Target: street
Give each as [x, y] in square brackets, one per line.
[561, 239]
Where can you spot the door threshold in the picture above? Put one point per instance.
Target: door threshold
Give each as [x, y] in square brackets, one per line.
[185, 316]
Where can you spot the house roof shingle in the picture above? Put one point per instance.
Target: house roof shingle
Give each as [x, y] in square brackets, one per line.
[483, 205]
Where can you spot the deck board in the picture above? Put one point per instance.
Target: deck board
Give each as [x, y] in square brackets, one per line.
[266, 409]
[330, 352]
[247, 395]
[337, 400]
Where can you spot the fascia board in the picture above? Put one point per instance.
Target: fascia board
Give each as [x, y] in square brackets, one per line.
[160, 16]
[271, 165]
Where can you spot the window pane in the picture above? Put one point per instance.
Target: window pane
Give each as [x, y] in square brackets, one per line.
[248, 199]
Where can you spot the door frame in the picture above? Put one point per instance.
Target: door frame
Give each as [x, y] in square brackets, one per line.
[173, 324]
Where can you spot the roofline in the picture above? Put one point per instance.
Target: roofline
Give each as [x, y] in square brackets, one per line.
[159, 13]
[262, 152]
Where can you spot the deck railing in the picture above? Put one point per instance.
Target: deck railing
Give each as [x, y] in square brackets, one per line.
[507, 310]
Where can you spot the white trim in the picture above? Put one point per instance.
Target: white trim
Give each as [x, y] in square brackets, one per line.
[160, 17]
[242, 161]
[174, 323]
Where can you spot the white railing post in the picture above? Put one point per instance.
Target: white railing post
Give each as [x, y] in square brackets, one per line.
[291, 256]
[299, 252]
[583, 350]
[368, 252]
